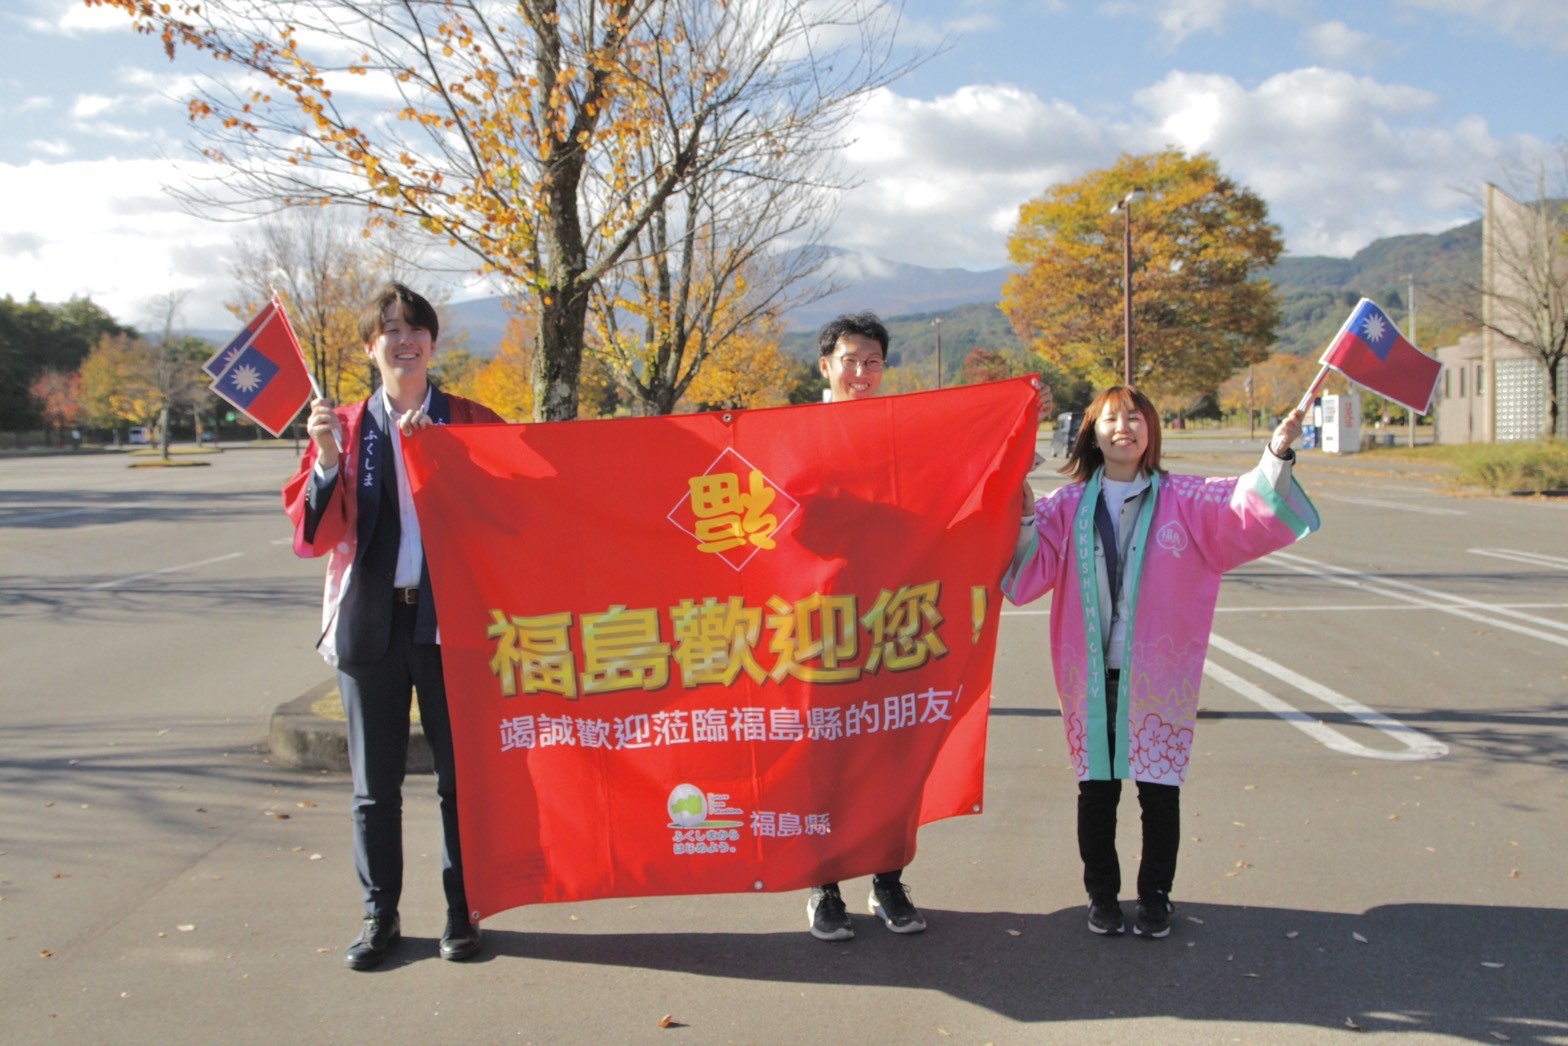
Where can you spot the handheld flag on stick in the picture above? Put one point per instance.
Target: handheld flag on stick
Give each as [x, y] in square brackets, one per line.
[262, 371]
[1370, 351]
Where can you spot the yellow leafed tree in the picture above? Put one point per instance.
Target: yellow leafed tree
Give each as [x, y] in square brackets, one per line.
[750, 369]
[539, 137]
[1200, 311]
[118, 383]
[502, 383]
[1278, 384]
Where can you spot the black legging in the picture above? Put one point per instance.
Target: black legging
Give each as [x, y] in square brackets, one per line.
[1102, 874]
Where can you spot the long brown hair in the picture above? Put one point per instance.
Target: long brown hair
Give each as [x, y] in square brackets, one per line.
[1086, 456]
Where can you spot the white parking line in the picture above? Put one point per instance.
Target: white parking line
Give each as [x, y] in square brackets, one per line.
[1416, 744]
[154, 573]
[1400, 505]
[13, 520]
[1534, 559]
[1459, 606]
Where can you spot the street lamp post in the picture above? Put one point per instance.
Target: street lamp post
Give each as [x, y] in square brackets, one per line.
[1410, 322]
[1124, 206]
[937, 323]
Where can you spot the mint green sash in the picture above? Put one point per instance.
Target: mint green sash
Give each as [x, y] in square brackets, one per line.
[1102, 765]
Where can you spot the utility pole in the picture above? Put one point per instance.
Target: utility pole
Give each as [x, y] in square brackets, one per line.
[937, 323]
[1124, 206]
[1252, 414]
[1410, 320]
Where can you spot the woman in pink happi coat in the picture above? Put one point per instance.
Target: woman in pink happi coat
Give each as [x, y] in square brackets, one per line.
[1133, 557]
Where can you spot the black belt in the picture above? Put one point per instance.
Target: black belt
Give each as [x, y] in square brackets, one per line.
[407, 596]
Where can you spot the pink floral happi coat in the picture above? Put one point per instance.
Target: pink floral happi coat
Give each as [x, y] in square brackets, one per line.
[1197, 530]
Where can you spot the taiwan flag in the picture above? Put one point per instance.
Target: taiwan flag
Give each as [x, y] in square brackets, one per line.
[1370, 351]
[262, 371]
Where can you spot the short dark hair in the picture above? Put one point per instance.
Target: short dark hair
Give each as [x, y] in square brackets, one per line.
[864, 324]
[412, 306]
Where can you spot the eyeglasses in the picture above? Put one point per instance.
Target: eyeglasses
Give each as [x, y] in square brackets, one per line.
[869, 366]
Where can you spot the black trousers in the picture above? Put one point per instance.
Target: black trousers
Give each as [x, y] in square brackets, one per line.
[1160, 805]
[376, 702]
[1102, 874]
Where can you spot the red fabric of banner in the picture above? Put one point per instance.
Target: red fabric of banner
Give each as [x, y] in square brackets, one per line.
[719, 652]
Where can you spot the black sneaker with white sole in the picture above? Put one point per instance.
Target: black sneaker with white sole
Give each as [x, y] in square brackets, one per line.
[1154, 916]
[1105, 917]
[890, 903]
[827, 916]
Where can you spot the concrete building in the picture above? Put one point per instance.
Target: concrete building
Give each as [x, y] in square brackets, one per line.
[1506, 398]
[1493, 390]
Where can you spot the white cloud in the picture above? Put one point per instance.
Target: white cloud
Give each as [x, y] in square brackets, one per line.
[1340, 159]
[944, 178]
[88, 106]
[1339, 44]
[107, 230]
[1534, 23]
[54, 148]
[72, 17]
[1180, 19]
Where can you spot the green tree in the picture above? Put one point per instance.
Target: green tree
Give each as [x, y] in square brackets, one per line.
[36, 337]
[541, 136]
[1199, 310]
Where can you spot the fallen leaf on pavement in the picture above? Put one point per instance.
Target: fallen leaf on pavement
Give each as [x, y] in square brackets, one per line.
[1358, 937]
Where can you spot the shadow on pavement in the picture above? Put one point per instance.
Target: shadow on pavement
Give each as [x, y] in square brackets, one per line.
[1399, 968]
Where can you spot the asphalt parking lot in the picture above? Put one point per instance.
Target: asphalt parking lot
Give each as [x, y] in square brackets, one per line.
[1372, 829]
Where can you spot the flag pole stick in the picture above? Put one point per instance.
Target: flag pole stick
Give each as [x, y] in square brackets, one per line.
[1312, 390]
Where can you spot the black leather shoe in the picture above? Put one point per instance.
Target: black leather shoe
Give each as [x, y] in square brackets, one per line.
[461, 939]
[380, 933]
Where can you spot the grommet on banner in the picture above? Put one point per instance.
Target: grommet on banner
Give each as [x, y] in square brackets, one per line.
[726, 417]
[757, 885]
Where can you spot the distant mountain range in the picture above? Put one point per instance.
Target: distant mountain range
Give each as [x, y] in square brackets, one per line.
[890, 289]
[1317, 294]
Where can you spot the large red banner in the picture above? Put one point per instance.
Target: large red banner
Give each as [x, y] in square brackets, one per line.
[719, 652]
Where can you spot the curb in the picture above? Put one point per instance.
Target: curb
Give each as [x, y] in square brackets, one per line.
[300, 738]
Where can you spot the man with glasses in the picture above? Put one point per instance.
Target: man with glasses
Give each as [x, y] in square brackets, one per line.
[853, 352]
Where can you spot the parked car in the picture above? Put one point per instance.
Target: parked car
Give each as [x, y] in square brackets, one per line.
[140, 434]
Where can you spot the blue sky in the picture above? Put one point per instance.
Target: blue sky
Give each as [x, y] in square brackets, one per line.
[1354, 120]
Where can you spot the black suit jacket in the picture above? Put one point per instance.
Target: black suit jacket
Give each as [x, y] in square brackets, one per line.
[364, 625]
